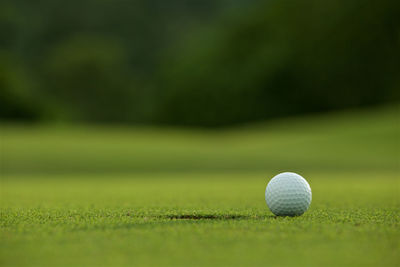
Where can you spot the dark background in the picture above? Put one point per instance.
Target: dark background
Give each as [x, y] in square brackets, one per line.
[196, 63]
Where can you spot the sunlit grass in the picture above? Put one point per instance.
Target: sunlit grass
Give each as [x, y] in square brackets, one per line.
[96, 196]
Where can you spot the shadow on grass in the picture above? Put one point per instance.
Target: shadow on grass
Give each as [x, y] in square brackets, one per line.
[212, 217]
[151, 221]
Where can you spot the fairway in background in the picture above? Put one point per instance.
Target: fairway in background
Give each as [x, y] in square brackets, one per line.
[359, 141]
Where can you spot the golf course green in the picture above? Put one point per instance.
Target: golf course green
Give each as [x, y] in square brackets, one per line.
[122, 196]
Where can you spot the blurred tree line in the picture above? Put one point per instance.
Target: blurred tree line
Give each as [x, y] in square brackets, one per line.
[202, 63]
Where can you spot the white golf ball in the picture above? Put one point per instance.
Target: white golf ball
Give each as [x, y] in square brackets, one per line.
[288, 194]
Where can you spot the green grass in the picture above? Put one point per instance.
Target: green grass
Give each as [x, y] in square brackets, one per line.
[92, 196]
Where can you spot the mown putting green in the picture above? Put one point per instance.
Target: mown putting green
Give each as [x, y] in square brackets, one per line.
[97, 196]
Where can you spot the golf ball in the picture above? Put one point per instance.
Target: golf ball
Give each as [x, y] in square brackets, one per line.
[288, 194]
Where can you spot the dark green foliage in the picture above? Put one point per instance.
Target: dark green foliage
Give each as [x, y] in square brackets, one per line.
[17, 99]
[204, 63]
[287, 58]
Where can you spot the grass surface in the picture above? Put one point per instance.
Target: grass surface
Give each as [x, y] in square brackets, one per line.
[115, 197]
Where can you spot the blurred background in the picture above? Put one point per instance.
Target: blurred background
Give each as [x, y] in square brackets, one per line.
[121, 86]
[207, 63]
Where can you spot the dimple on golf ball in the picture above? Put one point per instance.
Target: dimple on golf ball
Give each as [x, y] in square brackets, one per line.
[288, 194]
